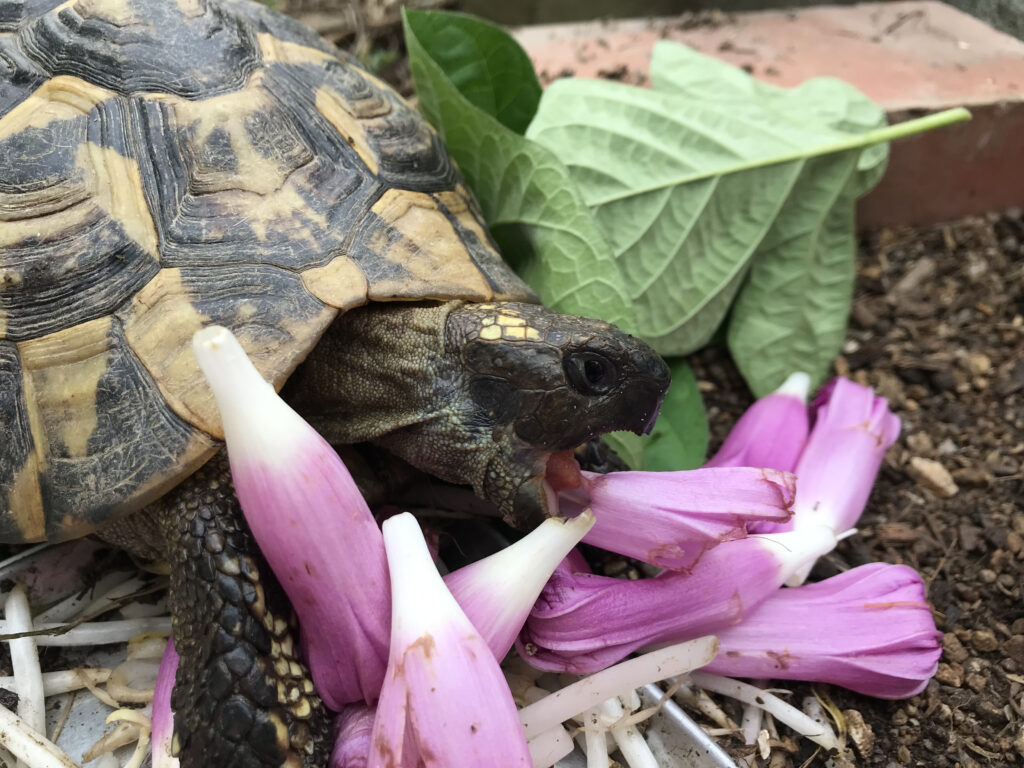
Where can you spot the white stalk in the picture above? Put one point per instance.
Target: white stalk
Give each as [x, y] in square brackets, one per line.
[28, 746]
[28, 678]
[590, 691]
[596, 741]
[96, 633]
[631, 744]
[64, 681]
[70, 607]
[108, 601]
[819, 733]
[550, 747]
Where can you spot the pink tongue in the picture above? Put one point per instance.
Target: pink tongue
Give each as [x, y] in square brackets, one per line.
[563, 473]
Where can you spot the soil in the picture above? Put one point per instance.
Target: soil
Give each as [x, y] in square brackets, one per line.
[938, 329]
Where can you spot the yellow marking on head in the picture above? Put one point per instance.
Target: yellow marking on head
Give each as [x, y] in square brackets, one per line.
[487, 321]
[339, 113]
[514, 333]
[159, 325]
[65, 368]
[533, 334]
[339, 283]
[59, 98]
[25, 501]
[120, 13]
[491, 333]
[428, 250]
[116, 186]
[510, 320]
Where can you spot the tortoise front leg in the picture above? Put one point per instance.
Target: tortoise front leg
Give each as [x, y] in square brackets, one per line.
[242, 698]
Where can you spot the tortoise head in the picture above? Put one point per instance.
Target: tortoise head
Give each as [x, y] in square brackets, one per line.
[537, 384]
[489, 395]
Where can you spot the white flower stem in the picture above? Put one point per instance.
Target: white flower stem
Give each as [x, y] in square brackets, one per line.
[590, 691]
[595, 740]
[70, 607]
[631, 744]
[817, 732]
[550, 747]
[96, 633]
[28, 678]
[64, 681]
[28, 746]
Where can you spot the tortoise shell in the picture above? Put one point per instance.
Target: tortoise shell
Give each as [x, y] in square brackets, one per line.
[166, 164]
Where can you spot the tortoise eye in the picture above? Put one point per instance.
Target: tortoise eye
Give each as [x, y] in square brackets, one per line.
[590, 373]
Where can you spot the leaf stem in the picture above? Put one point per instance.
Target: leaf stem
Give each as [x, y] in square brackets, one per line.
[858, 141]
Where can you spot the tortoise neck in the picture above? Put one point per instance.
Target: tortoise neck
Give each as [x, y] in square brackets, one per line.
[376, 370]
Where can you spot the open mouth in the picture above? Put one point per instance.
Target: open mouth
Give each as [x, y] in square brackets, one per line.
[562, 474]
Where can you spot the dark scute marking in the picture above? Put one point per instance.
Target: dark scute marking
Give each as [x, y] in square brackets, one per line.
[136, 436]
[201, 227]
[75, 270]
[409, 153]
[11, 12]
[19, 77]
[236, 718]
[263, 300]
[262, 19]
[16, 442]
[217, 153]
[373, 238]
[162, 51]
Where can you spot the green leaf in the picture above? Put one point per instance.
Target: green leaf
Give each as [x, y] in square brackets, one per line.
[791, 314]
[482, 61]
[527, 197]
[680, 436]
[690, 179]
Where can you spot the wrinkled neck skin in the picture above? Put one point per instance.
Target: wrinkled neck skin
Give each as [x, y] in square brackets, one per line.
[478, 394]
[392, 374]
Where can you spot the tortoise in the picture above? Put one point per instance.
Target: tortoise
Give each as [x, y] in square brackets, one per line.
[168, 164]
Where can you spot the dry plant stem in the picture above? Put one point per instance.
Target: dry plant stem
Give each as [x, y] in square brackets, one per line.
[123, 733]
[71, 606]
[631, 744]
[28, 678]
[145, 727]
[788, 714]
[586, 693]
[95, 633]
[697, 735]
[595, 740]
[112, 598]
[28, 746]
[550, 747]
[64, 681]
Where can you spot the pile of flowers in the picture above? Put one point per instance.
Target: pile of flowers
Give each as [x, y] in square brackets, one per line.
[411, 660]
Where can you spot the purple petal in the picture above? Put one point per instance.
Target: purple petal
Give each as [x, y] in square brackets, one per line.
[852, 431]
[444, 700]
[771, 432]
[584, 622]
[869, 630]
[163, 716]
[497, 593]
[352, 732]
[670, 519]
[310, 521]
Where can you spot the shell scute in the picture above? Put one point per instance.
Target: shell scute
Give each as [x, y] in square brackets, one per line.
[85, 390]
[75, 231]
[19, 472]
[129, 46]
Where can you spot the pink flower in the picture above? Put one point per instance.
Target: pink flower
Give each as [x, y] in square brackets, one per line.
[584, 622]
[670, 519]
[163, 715]
[352, 732]
[869, 630]
[497, 593]
[772, 432]
[310, 521]
[445, 701]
